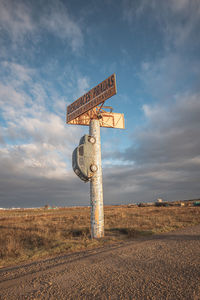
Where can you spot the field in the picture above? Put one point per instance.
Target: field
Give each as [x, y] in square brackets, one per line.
[27, 235]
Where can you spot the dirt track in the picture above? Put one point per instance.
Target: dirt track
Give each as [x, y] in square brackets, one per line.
[161, 267]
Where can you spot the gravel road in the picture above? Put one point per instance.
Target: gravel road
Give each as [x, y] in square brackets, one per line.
[160, 267]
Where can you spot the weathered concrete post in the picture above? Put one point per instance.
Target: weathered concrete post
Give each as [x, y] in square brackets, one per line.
[96, 187]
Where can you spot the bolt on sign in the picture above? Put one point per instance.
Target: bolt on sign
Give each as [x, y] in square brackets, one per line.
[91, 99]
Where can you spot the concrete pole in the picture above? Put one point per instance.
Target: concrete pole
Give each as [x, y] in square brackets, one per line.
[96, 186]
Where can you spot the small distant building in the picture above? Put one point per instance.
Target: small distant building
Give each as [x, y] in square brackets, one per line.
[160, 202]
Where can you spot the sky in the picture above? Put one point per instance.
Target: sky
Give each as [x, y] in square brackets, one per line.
[54, 51]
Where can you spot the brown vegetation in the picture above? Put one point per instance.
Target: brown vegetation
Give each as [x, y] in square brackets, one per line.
[31, 234]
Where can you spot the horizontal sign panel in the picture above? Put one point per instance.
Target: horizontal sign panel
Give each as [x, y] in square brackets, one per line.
[108, 119]
[91, 99]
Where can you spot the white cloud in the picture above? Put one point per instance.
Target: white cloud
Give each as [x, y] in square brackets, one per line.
[8, 96]
[153, 112]
[171, 74]
[13, 78]
[179, 5]
[1, 136]
[176, 67]
[164, 152]
[56, 19]
[18, 73]
[21, 20]
[16, 19]
[132, 9]
[82, 85]
[177, 19]
[37, 160]
[35, 140]
[170, 134]
[48, 154]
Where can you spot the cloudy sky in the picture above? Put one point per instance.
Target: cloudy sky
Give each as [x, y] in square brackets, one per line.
[53, 51]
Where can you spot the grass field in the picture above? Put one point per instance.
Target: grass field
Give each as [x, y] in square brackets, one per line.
[27, 235]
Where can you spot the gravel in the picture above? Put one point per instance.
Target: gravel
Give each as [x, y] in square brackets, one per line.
[165, 266]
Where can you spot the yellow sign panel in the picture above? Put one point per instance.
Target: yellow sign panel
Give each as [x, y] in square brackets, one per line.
[91, 99]
[107, 119]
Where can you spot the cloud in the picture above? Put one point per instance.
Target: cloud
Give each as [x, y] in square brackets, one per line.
[176, 68]
[132, 9]
[165, 151]
[35, 142]
[57, 20]
[23, 21]
[34, 160]
[16, 19]
[170, 133]
[1, 138]
[164, 156]
[24, 190]
[147, 183]
[178, 20]
[9, 95]
[163, 77]
[34, 139]
[82, 85]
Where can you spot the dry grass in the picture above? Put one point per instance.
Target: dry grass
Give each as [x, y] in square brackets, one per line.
[31, 234]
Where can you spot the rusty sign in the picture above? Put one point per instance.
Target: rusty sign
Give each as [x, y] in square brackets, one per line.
[108, 119]
[91, 99]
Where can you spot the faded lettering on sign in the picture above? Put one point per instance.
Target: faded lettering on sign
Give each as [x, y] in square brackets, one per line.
[94, 97]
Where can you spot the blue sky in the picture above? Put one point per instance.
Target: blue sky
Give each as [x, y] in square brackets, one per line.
[52, 52]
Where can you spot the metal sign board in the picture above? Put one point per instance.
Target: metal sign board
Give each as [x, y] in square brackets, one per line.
[91, 99]
[108, 119]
